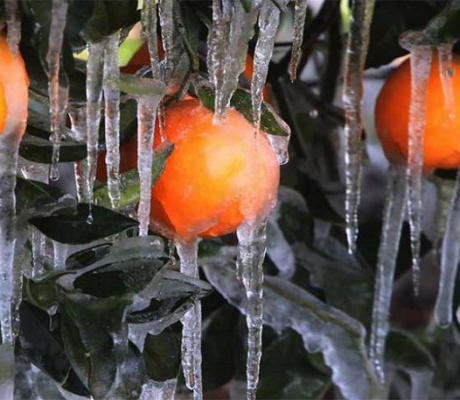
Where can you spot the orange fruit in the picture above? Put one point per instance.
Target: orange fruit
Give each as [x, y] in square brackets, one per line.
[442, 126]
[218, 175]
[13, 91]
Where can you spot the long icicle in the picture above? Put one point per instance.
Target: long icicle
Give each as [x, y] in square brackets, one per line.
[449, 261]
[393, 217]
[58, 85]
[251, 252]
[191, 322]
[94, 77]
[300, 15]
[269, 20]
[13, 23]
[112, 117]
[420, 61]
[358, 41]
[149, 31]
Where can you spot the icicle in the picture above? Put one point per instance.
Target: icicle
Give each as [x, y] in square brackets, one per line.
[420, 71]
[149, 31]
[94, 76]
[60, 252]
[446, 73]
[191, 331]
[269, 20]
[146, 112]
[393, 217]
[232, 28]
[13, 22]
[58, 88]
[358, 41]
[81, 169]
[251, 253]
[165, 8]
[38, 243]
[445, 191]
[449, 261]
[112, 117]
[420, 384]
[300, 14]
[159, 390]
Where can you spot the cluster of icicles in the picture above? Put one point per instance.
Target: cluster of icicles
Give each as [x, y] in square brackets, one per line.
[231, 29]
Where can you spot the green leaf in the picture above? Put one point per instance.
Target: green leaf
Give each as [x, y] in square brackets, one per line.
[137, 86]
[75, 228]
[270, 122]
[38, 199]
[130, 182]
[162, 356]
[45, 349]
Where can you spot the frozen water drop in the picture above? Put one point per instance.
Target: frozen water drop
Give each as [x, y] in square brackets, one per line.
[251, 253]
[393, 217]
[191, 324]
[420, 62]
[449, 261]
[358, 41]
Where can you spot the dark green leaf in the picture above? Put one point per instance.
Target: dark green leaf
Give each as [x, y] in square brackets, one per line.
[46, 350]
[75, 228]
[36, 199]
[162, 356]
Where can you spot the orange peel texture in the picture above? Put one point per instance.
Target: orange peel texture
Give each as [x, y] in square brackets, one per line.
[217, 176]
[442, 126]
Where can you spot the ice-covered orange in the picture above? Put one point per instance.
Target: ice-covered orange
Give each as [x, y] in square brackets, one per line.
[442, 125]
[218, 175]
[14, 84]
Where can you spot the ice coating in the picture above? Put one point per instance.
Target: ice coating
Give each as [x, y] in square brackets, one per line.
[300, 15]
[94, 78]
[111, 77]
[58, 90]
[420, 63]
[159, 390]
[358, 41]
[449, 261]
[251, 252]
[393, 217]
[269, 20]
[191, 322]
[165, 8]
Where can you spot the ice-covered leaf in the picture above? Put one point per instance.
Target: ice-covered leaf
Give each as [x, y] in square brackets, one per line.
[270, 122]
[162, 356]
[323, 328]
[45, 349]
[35, 198]
[137, 86]
[75, 228]
[36, 146]
[130, 182]
[348, 286]
[286, 372]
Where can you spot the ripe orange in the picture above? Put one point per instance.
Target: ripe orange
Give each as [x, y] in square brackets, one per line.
[217, 176]
[13, 91]
[442, 130]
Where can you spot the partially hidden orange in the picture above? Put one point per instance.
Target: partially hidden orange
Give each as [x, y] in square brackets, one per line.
[14, 84]
[218, 175]
[442, 125]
